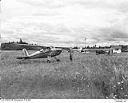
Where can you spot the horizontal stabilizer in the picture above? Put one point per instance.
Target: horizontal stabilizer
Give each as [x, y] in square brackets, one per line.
[25, 52]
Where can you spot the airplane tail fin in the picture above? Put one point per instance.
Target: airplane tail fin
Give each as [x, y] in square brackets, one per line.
[25, 52]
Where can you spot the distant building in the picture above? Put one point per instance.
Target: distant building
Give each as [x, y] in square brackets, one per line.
[116, 48]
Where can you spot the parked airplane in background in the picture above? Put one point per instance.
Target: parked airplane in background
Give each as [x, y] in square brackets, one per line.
[48, 53]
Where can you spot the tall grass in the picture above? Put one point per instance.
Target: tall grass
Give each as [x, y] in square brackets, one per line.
[88, 76]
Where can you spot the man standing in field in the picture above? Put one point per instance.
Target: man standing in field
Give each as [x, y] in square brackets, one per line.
[71, 54]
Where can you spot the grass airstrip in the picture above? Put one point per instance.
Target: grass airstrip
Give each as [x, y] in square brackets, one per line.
[87, 76]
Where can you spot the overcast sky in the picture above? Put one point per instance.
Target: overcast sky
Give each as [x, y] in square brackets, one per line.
[65, 22]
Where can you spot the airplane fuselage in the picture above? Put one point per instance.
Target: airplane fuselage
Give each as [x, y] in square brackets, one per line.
[40, 54]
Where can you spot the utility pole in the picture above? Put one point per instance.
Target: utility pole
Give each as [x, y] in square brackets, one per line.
[85, 41]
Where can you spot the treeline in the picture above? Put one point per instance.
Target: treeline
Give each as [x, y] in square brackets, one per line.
[19, 45]
[18, 42]
[93, 47]
[5, 46]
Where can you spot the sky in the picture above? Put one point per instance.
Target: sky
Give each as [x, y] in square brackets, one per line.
[65, 22]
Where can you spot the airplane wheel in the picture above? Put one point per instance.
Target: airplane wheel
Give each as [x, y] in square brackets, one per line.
[48, 61]
[58, 60]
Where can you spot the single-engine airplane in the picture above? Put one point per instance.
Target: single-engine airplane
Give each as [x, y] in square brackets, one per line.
[48, 53]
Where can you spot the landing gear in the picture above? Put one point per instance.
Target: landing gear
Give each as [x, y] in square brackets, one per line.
[58, 60]
[48, 61]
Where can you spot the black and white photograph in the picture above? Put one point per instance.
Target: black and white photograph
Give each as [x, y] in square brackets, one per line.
[64, 49]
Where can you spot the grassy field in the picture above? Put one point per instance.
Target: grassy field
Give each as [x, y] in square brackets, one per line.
[88, 76]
